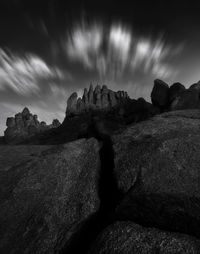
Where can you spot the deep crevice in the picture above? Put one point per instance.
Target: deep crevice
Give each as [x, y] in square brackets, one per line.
[109, 196]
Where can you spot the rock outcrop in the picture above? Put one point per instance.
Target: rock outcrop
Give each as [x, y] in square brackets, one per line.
[160, 94]
[24, 125]
[175, 97]
[157, 165]
[100, 98]
[175, 91]
[47, 194]
[126, 237]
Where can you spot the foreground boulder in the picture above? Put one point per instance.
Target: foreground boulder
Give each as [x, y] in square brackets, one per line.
[127, 238]
[25, 125]
[157, 167]
[46, 198]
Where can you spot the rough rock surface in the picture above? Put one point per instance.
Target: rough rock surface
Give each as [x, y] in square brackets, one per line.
[95, 99]
[160, 94]
[195, 86]
[25, 125]
[175, 97]
[157, 168]
[188, 99]
[175, 91]
[46, 199]
[127, 238]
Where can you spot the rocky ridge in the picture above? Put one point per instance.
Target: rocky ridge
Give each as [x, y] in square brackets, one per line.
[175, 97]
[24, 125]
[98, 98]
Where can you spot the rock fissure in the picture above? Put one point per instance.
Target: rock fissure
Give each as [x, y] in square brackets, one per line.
[109, 196]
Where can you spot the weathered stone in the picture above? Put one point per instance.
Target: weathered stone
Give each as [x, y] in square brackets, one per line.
[56, 123]
[43, 123]
[25, 112]
[97, 96]
[85, 98]
[23, 126]
[112, 98]
[157, 169]
[175, 91]
[126, 237]
[19, 121]
[80, 105]
[46, 198]
[91, 96]
[104, 97]
[160, 94]
[195, 86]
[10, 122]
[72, 103]
[188, 99]
[32, 129]
[97, 99]
[35, 118]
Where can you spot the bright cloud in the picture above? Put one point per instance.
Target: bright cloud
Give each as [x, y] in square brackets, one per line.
[112, 50]
[22, 74]
[83, 43]
[120, 40]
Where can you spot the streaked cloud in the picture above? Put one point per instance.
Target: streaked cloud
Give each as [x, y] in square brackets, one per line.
[22, 74]
[112, 50]
[84, 43]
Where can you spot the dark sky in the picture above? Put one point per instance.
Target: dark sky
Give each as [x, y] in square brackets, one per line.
[49, 49]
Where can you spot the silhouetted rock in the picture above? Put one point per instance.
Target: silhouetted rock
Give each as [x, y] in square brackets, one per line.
[91, 96]
[195, 86]
[10, 122]
[95, 99]
[188, 99]
[46, 197]
[156, 168]
[55, 123]
[24, 125]
[160, 94]
[97, 96]
[126, 237]
[175, 91]
[72, 103]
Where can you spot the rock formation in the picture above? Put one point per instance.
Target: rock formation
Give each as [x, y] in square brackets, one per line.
[126, 237]
[25, 125]
[175, 97]
[99, 98]
[157, 168]
[47, 195]
[159, 94]
[175, 91]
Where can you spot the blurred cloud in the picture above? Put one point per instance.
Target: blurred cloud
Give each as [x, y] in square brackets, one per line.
[22, 74]
[84, 43]
[114, 49]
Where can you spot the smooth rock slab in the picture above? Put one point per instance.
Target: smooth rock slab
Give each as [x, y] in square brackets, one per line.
[157, 169]
[129, 238]
[45, 200]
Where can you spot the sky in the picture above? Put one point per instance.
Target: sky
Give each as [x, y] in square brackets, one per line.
[49, 49]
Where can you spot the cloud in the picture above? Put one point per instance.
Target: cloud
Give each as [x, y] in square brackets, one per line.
[83, 43]
[151, 57]
[22, 74]
[114, 49]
